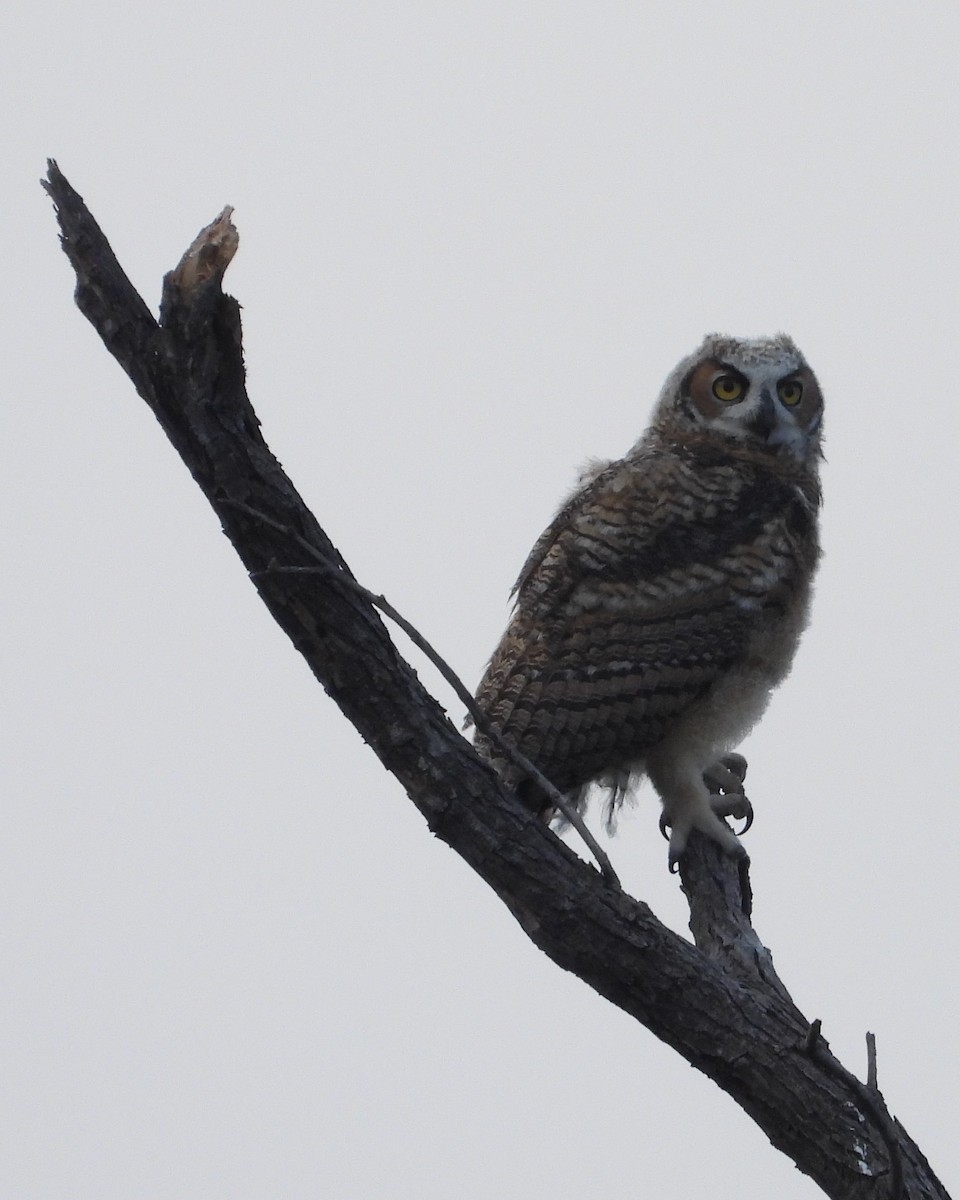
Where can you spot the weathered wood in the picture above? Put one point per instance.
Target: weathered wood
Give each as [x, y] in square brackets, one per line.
[719, 1004]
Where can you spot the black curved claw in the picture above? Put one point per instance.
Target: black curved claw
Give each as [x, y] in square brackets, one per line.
[673, 862]
[748, 819]
[664, 825]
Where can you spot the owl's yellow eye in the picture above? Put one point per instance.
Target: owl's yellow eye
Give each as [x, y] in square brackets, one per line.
[790, 392]
[727, 388]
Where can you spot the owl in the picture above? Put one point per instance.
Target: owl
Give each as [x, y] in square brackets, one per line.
[658, 611]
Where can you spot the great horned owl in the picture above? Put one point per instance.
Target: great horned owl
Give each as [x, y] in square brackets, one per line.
[663, 604]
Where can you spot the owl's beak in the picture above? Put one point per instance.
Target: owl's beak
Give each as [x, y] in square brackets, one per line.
[764, 420]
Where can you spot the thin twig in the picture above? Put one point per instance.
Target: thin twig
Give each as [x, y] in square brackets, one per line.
[813, 1036]
[872, 1061]
[869, 1096]
[328, 568]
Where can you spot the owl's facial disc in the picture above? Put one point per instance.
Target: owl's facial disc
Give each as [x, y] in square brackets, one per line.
[777, 404]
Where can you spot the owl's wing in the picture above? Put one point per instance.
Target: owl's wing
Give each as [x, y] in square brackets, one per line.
[644, 591]
[591, 479]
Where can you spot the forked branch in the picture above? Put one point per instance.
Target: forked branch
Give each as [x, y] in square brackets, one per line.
[719, 1004]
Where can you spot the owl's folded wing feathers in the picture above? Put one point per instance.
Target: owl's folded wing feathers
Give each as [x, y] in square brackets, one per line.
[654, 580]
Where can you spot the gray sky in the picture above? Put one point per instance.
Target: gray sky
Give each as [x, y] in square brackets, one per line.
[475, 237]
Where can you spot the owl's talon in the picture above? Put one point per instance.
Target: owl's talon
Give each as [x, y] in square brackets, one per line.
[726, 774]
[725, 781]
[709, 822]
[735, 805]
[664, 826]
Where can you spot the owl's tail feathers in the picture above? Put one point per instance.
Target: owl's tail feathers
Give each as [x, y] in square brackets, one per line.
[536, 791]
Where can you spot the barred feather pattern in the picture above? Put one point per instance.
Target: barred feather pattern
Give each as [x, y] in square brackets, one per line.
[660, 607]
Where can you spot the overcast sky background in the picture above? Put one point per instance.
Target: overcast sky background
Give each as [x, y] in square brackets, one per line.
[475, 238]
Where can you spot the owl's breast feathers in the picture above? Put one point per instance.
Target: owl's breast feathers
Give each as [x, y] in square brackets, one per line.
[658, 578]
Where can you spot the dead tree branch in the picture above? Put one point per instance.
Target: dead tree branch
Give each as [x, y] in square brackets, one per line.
[719, 1004]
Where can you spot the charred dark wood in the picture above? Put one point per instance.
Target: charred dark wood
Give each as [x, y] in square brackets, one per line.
[719, 1003]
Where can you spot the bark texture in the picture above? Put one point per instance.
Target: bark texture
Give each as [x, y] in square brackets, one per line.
[719, 1003]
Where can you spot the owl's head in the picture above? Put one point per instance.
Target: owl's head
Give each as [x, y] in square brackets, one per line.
[757, 392]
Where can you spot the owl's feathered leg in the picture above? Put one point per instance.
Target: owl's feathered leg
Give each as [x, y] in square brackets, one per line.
[688, 802]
